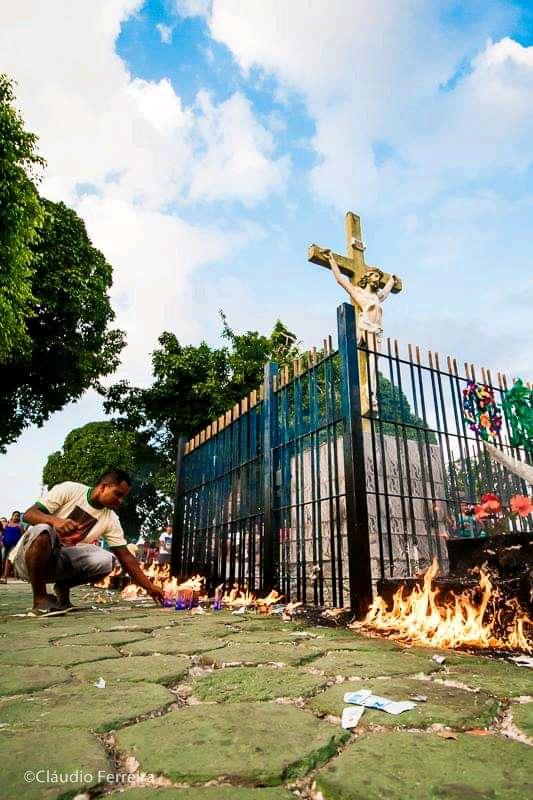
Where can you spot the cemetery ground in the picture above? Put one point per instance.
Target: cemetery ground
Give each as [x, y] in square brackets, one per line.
[246, 707]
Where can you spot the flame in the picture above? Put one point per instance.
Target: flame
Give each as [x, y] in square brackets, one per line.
[238, 598]
[264, 603]
[479, 618]
[106, 582]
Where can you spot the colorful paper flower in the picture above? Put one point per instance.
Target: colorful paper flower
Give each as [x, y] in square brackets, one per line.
[491, 503]
[521, 504]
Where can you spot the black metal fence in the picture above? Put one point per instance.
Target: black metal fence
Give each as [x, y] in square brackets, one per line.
[319, 489]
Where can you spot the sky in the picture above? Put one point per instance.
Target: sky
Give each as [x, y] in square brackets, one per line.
[207, 143]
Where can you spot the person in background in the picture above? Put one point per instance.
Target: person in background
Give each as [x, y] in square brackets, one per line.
[465, 526]
[2, 521]
[165, 544]
[10, 537]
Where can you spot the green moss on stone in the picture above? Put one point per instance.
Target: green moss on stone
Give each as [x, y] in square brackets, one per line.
[240, 684]
[454, 708]
[264, 744]
[423, 766]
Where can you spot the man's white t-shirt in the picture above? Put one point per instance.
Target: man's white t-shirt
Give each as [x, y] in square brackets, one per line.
[70, 500]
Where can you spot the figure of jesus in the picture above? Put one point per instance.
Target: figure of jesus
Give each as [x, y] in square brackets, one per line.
[369, 297]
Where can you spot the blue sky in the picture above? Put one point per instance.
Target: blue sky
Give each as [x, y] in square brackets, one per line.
[207, 144]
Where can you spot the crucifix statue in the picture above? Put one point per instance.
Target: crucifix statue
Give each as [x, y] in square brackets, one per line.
[368, 287]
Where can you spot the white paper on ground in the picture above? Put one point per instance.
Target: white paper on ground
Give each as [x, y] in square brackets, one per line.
[523, 661]
[351, 716]
[365, 698]
[100, 684]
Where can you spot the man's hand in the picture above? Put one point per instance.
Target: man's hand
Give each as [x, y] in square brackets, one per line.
[156, 593]
[65, 527]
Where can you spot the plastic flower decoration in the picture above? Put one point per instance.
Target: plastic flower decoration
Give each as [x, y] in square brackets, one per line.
[521, 504]
[480, 411]
[495, 517]
[517, 405]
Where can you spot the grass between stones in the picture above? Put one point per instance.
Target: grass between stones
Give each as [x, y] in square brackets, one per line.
[422, 766]
[265, 746]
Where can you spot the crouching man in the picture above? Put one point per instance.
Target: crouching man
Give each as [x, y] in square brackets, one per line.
[60, 545]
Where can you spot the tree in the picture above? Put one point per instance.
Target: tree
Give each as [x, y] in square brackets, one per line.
[20, 218]
[70, 346]
[193, 385]
[90, 450]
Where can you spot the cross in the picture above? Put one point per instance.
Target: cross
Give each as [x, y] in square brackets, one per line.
[353, 265]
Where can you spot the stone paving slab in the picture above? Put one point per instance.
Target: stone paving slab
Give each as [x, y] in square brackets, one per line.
[499, 678]
[250, 654]
[155, 669]
[57, 656]
[176, 641]
[84, 706]
[245, 684]
[18, 680]
[523, 717]
[207, 793]
[265, 746]
[422, 766]
[448, 706]
[373, 662]
[78, 757]
[103, 637]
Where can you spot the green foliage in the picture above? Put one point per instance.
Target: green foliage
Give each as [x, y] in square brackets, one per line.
[517, 404]
[70, 346]
[90, 450]
[394, 408]
[194, 385]
[20, 217]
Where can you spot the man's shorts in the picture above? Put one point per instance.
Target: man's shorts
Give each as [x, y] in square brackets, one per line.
[82, 563]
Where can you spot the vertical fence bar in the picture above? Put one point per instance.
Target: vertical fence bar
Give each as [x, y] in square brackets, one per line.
[176, 550]
[354, 466]
[270, 419]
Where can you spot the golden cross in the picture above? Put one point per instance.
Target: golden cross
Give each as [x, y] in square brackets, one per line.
[353, 265]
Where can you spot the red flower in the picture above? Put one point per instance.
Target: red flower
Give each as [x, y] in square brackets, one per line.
[491, 503]
[480, 512]
[522, 504]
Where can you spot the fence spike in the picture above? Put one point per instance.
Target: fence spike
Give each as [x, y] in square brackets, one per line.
[244, 401]
[418, 360]
[472, 372]
[221, 422]
[186, 448]
[296, 367]
[214, 427]
[236, 411]
[228, 418]
[262, 391]
[253, 398]
[483, 375]
[466, 371]
[202, 437]
[330, 344]
[326, 348]
[396, 347]
[197, 440]
[437, 361]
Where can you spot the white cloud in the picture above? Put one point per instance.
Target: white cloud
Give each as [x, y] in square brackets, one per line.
[238, 154]
[143, 154]
[192, 8]
[165, 32]
[372, 74]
